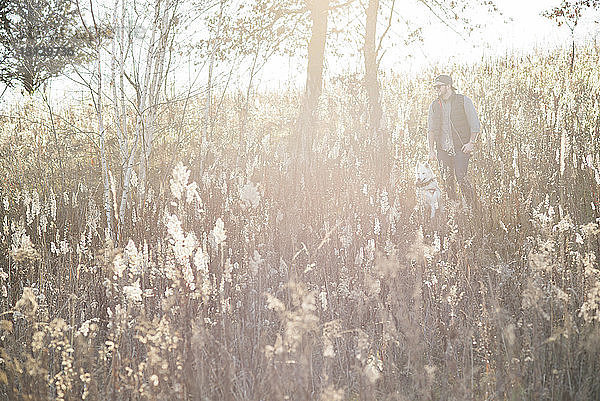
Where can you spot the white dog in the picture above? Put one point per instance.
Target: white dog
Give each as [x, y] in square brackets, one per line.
[428, 190]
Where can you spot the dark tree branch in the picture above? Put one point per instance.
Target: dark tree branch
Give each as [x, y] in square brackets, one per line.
[386, 30]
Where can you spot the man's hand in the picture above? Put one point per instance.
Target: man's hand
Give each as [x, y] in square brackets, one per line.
[432, 156]
[468, 148]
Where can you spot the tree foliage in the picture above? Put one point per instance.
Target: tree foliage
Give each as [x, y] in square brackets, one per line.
[569, 12]
[38, 40]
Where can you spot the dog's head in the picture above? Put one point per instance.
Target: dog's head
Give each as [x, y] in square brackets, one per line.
[423, 173]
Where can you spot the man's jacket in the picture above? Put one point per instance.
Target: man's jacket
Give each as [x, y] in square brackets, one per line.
[462, 123]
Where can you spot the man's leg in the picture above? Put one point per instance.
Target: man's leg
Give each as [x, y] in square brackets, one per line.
[461, 164]
[447, 171]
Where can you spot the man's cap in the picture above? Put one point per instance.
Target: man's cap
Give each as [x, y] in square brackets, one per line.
[444, 80]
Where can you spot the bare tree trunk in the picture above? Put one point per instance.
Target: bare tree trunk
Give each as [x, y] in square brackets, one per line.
[104, 162]
[143, 94]
[156, 83]
[377, 132]
[249, 88]
[211, 64]
[121, 135]
[208, 104]
[101, 132]
[370, 58]
[128, 155]
[122, 75]
[319, 11]
[572, 64]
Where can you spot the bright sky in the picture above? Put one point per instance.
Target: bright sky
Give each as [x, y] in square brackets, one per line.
[520, 28]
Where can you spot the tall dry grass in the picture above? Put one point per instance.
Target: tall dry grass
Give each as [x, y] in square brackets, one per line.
[243, 275]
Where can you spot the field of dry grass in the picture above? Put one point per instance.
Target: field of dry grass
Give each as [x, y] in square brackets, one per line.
[246, 273]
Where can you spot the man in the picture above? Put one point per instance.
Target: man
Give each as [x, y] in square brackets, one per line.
[453, 128]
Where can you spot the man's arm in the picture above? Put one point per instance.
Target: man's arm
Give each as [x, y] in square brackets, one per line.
[473, 123]
[431, 143]
[431, 135]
